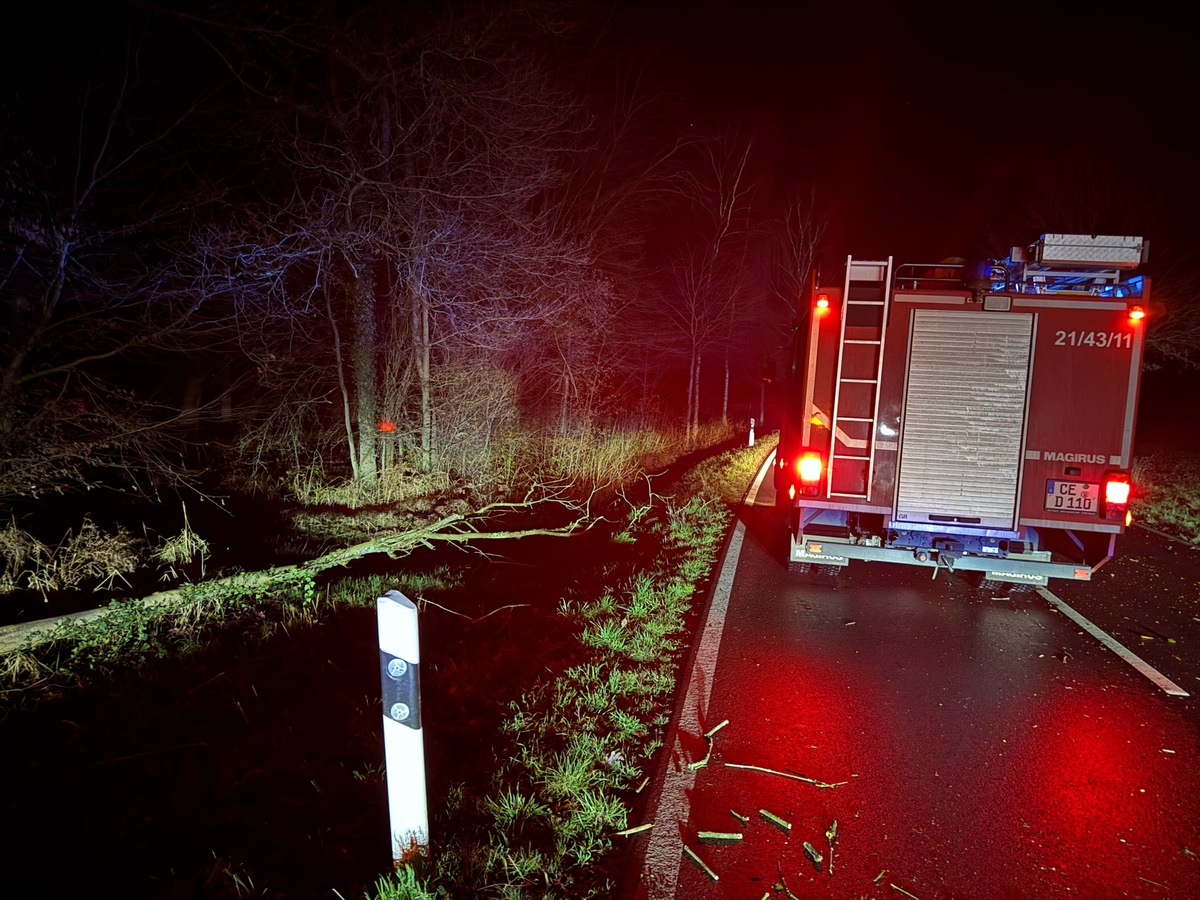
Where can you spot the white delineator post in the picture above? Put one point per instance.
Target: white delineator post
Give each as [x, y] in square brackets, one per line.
[403, 741]
[751, 432]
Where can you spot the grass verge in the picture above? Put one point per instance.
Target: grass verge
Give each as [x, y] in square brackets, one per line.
[1167, 493]
[576, 748]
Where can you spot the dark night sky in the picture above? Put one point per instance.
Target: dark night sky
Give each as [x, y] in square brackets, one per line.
[925, 134]
[930, 134]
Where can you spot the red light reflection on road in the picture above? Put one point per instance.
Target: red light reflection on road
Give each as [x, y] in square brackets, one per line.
[1111, 794]
[977, 774]
[805, 716]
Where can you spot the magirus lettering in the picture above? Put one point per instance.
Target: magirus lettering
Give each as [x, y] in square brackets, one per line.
[1055, 456]
[1017, 576]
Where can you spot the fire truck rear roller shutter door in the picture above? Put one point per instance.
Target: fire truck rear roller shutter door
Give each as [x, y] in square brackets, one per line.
[964, 416]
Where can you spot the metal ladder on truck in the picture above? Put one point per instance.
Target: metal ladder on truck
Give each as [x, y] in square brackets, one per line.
[866, 296]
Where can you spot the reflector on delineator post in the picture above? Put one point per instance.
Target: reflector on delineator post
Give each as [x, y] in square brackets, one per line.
[403, 740]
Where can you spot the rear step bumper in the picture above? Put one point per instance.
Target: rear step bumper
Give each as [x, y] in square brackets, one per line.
[1033, 567]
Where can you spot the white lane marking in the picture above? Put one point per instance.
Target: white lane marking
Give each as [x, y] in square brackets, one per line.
[664, 852]
[1116, 646]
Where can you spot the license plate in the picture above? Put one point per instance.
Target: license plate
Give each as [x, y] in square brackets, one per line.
[1073, 496]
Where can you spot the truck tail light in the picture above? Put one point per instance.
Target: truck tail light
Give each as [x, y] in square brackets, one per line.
[1116, 491]
[822, 301]
[1116, 496]
[810, 467]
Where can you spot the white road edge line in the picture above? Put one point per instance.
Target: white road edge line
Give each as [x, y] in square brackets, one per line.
[1115, 646]
[664, 852]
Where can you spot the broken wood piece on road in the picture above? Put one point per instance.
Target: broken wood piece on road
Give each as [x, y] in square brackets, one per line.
[781, 885]
[780, 823]
[701, 763]
[831, 836]
[719, 837]
[636, 829]
[794, 777]
[709, 734]
[691, 854]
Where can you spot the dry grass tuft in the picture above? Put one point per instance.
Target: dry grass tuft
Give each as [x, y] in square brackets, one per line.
[87, 556]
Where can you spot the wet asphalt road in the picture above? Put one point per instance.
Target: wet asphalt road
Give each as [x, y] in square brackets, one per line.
[977, 746]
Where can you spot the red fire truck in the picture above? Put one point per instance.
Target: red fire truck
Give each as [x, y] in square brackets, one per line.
[976, 418]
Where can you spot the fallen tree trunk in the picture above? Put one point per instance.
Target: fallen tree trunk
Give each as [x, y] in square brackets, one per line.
[460, 529]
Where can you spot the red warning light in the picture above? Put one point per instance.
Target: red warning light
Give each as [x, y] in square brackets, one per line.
[1116, 491]
[1136, 314]
[1116, 496]
[822, 301]
[386, 427]
[810, 466]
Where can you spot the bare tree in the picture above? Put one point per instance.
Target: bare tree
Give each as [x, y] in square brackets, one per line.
[799, 238]
[419, 177]
[98, 282]
[593, 357]
[701, 285]
[1173, 332]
